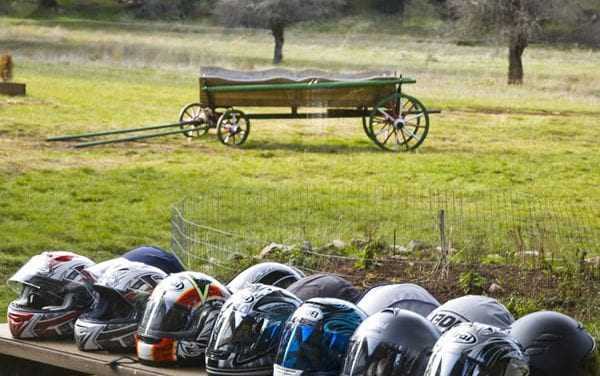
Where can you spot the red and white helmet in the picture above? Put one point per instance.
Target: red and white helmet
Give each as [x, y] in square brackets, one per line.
[179, 319]
[53, 292]
[121, 295]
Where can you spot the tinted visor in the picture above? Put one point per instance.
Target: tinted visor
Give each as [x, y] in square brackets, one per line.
[110, 306]
[452, 364]
[248, 336]
[374, 358]
[306, 346]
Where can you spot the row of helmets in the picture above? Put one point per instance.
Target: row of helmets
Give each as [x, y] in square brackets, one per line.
[271, 319]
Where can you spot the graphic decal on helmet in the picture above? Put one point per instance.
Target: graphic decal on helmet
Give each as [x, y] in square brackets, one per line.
[53, 292]
[122, 292]
[317, 336]
[248, 330]
[179, 318]
[266, 273]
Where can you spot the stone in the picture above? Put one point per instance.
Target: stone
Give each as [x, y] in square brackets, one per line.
[398, 250]
[272, 248]
[338, 244]
[495, 288]
[594, 261]
[417, 245]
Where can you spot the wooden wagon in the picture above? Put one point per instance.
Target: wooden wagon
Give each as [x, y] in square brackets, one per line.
[393, 120]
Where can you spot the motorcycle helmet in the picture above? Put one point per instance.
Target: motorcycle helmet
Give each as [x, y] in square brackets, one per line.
[406, 296]
[157, 257]
[391, 342]
[121, 296]
[471, 308]
[556, 345]
[324, 285]
[267, 273]
[473, 349]
[179, 319]
[316, 338]
[248, 330]
[52, 294]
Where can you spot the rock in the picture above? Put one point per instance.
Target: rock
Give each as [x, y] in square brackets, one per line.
[358, 243]
[451, 251]
[495, 289]
[272, 248]
[398, 250]
[234, 257]
[416, 245]
[338, 244]
[531, 253]
[593, 261]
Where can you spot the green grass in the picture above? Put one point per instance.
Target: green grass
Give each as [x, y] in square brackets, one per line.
[539, 139]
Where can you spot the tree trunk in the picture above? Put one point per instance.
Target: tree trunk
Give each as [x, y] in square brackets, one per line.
[278, 31]
[515, 62]
[518, 41]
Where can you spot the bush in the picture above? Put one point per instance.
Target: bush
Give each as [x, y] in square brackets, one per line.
[167, 9]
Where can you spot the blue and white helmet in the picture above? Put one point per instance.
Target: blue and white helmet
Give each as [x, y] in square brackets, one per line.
[121, 296]
[316, 337]
[471, 308]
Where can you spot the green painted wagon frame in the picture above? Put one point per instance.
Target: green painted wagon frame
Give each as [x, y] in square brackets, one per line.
[393, 120]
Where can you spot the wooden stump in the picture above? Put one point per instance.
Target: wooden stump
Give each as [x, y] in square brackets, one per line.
[12, 88]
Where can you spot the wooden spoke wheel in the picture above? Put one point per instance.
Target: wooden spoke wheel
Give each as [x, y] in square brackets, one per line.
[233, 128]
[399, 123]
[365, 124]
[199, 113]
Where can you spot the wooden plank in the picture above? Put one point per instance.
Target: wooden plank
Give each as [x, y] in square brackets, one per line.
[11, 88]
[344, 97]
[65, 354]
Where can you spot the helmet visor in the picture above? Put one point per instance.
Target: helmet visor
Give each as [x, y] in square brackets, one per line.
[305, 346]
[452, 364]
[368, 357]
[248, 336]
[167, 318]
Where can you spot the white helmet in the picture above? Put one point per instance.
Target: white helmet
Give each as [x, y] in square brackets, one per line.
[53, 292]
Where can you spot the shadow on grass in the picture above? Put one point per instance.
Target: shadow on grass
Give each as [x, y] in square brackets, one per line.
[337, 148]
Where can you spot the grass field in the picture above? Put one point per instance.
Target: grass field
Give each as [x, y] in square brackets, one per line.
[540, 138]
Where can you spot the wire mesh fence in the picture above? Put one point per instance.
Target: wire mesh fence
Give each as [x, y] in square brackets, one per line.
[448, 242]
[211, 230]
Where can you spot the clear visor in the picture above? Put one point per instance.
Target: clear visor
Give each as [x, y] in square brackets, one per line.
[246, 335]
[370, 358]
[452, 364]
[39, 288]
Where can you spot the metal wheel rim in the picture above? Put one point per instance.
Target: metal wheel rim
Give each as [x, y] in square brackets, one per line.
[193, 112]
[233, 128]
[399, 123]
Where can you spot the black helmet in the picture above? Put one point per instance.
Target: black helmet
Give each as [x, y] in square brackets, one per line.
[557, 345]
[471, 308]
[267, 273]
[473, 349]
[179, 319]
[393, 342]
[324, 286]
[316, 338]
[405, 295]
[246, 334]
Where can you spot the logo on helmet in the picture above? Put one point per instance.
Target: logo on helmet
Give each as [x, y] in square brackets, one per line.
[465, 338]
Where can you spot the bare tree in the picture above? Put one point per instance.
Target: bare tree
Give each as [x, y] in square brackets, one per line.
[515, 21]
[275, 15]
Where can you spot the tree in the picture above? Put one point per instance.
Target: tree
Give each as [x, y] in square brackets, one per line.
[515, 21]
[274, 15]
[390, 6]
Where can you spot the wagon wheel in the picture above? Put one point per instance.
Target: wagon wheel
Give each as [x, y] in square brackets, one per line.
[233, 127]
[365, 124]
[196, 112]
[399, 123]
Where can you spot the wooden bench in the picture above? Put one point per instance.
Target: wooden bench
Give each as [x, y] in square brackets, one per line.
[65, 355]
